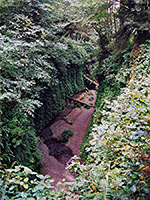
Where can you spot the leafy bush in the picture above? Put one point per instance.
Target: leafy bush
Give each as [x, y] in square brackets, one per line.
[91, 98]
[118, 152]
[119, 149]
[116, 71]
[22, 183]
[66, 134]
[113, 75]
[39, 69]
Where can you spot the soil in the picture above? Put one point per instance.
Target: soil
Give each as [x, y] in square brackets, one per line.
[56, 153]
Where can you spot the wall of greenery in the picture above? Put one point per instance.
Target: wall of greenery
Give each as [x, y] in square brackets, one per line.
[117, 154]
[38, 69]
[40, 66]
[116, 52]
[69, 82]
[113, 76]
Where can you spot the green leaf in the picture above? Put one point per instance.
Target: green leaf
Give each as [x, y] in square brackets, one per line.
[17, 143]
[133, 188]
[143, 103]
[14, 140]
[25, 186]
[146, 93]
[26, 179]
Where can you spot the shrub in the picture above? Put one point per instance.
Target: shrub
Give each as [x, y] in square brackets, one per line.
[66, 134]
[117, 165]
[21, 182]
[119, 150]
[39, 69]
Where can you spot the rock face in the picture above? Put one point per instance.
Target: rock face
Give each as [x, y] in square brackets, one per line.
[57, 154]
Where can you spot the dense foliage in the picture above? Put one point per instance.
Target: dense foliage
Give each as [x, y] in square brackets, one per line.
[118, 153]
[22, 183]
[134, 20]
[44, 47]
[39, 69]
[115, 62]
[66, 134]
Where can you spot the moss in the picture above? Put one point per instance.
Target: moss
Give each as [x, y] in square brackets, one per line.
[91, 98]
[54, 100]
[66, 134]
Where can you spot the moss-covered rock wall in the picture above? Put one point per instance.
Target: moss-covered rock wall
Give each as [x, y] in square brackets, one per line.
[54, 98]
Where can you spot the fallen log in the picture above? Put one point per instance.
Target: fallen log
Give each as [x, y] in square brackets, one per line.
[81, 96]
[89, 90]
[91, 81]
[91, 74]
[76, 100]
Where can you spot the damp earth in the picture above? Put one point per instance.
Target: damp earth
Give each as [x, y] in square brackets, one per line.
[58, 154]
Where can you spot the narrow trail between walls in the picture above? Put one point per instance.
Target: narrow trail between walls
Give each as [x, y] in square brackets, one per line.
[56, 153]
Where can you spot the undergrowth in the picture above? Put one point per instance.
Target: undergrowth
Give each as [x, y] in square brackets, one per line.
[118, 152]
[117, 156]
[38, 70]
[114, 74]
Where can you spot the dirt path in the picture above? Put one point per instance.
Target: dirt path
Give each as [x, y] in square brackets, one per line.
[57, 154]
